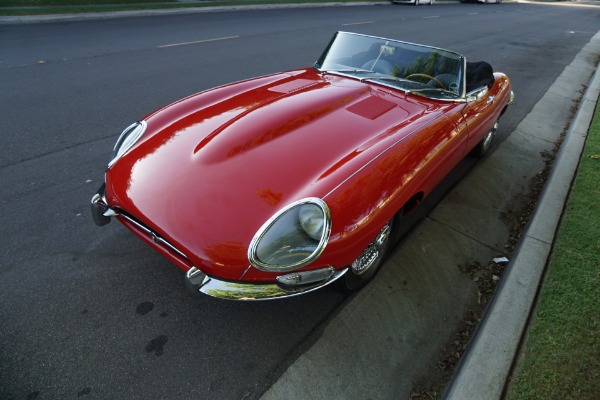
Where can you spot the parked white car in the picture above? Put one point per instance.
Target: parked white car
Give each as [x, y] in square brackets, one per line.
[414, 2]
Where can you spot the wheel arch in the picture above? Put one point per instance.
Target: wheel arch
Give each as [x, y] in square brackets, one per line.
[412, 203]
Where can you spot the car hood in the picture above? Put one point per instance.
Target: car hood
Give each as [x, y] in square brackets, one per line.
[212, 168]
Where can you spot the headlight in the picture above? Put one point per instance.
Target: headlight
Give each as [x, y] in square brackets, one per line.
[128, 137]
[292, 238]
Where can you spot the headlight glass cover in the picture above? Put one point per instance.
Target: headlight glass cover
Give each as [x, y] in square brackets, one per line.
[128, 137]
[292, 238]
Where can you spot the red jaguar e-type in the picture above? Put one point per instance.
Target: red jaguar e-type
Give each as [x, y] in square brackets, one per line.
[279, 185]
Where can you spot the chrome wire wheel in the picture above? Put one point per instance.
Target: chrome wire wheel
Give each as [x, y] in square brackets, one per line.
[364, 268]
[489, 138]
[486, 143]
[373, 252]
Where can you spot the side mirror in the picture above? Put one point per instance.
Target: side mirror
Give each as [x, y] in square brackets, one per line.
[477, 93]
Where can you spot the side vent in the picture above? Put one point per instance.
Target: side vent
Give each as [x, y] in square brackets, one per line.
[372, 107]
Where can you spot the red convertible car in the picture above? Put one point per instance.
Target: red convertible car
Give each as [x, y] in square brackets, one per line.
[282, 184]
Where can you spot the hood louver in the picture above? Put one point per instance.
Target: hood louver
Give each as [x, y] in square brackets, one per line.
[372, 107]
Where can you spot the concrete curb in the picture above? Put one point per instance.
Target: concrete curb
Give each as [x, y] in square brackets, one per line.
[485, 368]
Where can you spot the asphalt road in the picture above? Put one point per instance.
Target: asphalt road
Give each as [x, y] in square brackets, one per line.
[92, 312]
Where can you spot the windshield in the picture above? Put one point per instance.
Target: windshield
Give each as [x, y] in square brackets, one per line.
[427, 71]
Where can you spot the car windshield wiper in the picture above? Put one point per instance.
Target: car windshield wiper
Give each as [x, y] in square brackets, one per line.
[434, 89]
[417, 91]
[350, 71]
[384, 78]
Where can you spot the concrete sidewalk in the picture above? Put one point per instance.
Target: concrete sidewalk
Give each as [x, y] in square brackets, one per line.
[485, 368]
[368, 349]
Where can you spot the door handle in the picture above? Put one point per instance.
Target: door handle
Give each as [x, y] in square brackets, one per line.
[490, 99]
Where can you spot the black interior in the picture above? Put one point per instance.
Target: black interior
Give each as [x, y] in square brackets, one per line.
[479, 74]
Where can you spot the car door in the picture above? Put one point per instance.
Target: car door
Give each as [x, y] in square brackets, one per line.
[480, 113]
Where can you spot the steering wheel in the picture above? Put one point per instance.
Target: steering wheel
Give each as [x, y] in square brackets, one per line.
[431, 78]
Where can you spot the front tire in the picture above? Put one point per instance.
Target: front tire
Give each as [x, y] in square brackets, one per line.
[486, 143]
[366, 266]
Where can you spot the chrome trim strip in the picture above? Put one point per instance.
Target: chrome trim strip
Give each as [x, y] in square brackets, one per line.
[99, 202]
[138, 129]
[110, 213]
[155, 237]
[197, 282]
[97, 198]
[246, 271]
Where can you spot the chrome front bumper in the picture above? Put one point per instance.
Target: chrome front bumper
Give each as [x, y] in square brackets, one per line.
[197, 282]
[101, 213]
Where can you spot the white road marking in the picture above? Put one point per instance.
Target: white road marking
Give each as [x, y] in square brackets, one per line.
[358, 23]
[198, 41]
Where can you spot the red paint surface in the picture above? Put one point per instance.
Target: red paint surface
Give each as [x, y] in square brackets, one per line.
[212, 168]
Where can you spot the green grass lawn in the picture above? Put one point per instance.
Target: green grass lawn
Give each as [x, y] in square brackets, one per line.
[43, 3]
[561, 357]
